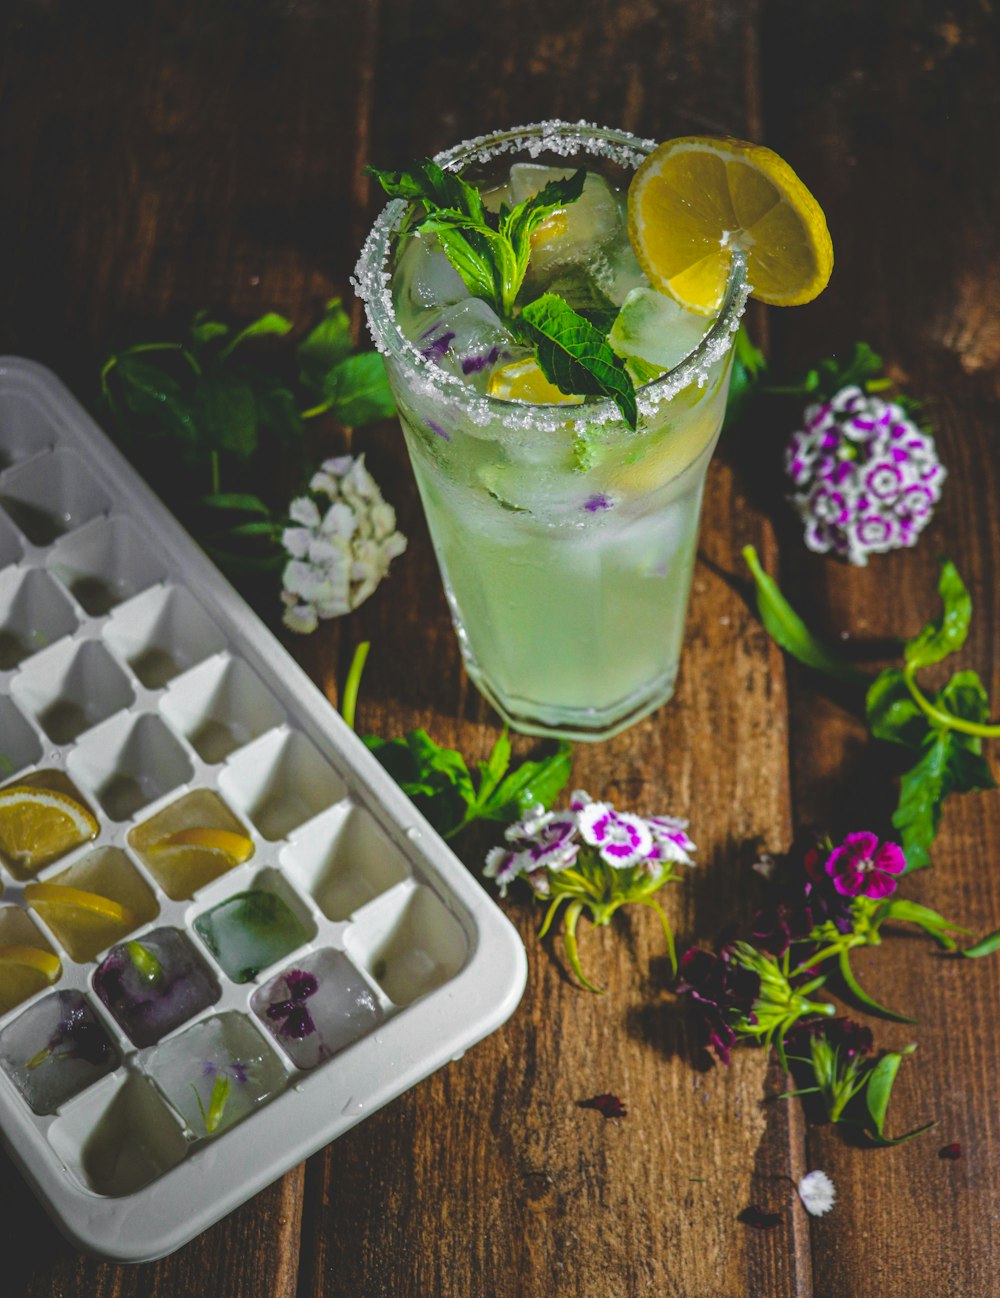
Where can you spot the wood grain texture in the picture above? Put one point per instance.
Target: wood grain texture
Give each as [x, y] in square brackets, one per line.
[157, 158]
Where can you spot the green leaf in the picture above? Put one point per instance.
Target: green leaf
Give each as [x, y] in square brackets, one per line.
[261, 528]
[327, 343]
[277, 408]
[947, 633]
[878, 1092]
[892, 712]
[532, 784]
[239, 501]
[986, 946]
[965, 697]
[436, 778]
[156, 396]
[520, 223]
[358, 390]
[574, 355]
[748, 368]
[932, 923]
[788, 630]
[492, 771]
[269, 323]
[205, 331]
[922, 790]
[860, 995]
[226, 414]
[473, 264]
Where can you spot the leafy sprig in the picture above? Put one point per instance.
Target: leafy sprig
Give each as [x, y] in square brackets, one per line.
[491, 251]
[946, 730]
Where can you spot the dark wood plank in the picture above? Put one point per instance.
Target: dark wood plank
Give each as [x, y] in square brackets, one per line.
[887, 114]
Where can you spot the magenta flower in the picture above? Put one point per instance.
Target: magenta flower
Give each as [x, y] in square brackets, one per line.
[297, 1021]
[723, 993]
[860, 867]
[622, 840]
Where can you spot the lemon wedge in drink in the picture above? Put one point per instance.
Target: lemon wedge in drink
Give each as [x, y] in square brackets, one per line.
[524, 381]
[695, 199]
[236, 846]
[37, 825]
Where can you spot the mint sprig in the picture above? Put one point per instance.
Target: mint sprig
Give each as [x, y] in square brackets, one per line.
[490, 252]
[575, 356]
[946, 730]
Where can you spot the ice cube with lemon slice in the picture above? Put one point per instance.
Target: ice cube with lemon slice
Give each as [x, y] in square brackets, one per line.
[40, 821]
[191, 842]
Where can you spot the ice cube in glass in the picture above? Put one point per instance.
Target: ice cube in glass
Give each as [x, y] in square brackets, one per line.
[317, 1007]
[153, 984]
[56, 1049]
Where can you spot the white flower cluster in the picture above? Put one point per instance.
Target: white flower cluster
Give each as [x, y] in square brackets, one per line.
[340, 553]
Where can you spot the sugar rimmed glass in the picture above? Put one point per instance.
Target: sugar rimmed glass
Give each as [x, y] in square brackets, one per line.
[565, 540]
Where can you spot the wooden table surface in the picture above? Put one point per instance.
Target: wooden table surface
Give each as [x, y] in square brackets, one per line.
[159, 157]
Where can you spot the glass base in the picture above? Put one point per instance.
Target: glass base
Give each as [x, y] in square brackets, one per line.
[577, 724]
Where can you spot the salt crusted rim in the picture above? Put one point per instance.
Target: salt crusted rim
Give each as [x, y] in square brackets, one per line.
[371, 282]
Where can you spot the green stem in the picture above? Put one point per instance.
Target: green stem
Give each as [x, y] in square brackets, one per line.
[668, 931]
[313, 411]
[214, 462]
[941, 717]
[569, 942]
[353, 682]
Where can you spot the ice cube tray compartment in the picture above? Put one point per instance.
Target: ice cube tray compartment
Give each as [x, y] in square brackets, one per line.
[134, 678]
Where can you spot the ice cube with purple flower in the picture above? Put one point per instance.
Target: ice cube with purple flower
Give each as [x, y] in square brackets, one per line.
[56, 1049]
[216, 1072]
[317, 1007]
[469, 340]
[155, 984]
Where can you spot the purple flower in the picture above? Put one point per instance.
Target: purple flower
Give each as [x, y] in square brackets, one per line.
[849, 1039]
[723, 992]
[861, 867]
[621, 839]
[436, 428]
[236, 1071]
[866, 478]
[298, 1021]
[476, 364]
[594, 503]
[436, 348]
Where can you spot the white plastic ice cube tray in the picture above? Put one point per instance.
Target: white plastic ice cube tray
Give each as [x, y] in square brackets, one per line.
[138, 668]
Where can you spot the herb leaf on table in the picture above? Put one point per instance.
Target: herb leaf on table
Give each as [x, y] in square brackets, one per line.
[946, 731]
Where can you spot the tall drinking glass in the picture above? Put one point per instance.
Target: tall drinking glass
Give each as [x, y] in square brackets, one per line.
[566, 540]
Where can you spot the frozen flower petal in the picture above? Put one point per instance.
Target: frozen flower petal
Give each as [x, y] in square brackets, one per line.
[817, 1193]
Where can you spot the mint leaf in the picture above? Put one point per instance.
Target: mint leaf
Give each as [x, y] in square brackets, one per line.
[226, 414]
[520, 223]
[785, 627]
[492, 771]
[892, 712]
[357, 390]
[204, 331]
[947, 633]
[243, 502]
[154, 396]
[436, 778]
[327, 343]
[576, 357]
[749, 366]
[532, 784]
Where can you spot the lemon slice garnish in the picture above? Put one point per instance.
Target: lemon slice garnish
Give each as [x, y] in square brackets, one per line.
[524, 381]
[32, 957]
[66, 898]
[37, 825]
[236, 846]
[695, 199]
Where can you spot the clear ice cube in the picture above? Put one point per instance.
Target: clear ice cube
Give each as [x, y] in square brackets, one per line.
[216, 1072]
[154, 984]
[469, 340]
[425, 280]
[250, 931]
[317, 1007]
[591, 222]
[56, 1049]
[651, 327]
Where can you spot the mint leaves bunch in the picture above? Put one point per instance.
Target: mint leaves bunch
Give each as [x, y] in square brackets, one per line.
[491, 251]
[224, 408]
[944, 731]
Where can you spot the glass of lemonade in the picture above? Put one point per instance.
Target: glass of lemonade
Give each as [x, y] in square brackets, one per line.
[566, 540]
